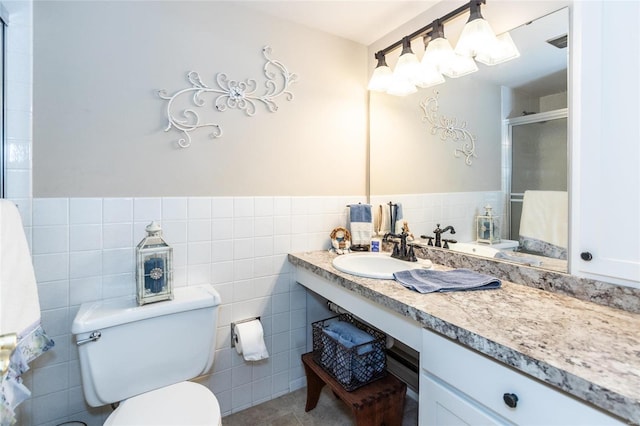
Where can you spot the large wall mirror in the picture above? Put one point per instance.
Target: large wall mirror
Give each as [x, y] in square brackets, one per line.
[516, 113]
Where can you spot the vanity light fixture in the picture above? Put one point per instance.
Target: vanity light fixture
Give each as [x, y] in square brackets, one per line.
[476, 41]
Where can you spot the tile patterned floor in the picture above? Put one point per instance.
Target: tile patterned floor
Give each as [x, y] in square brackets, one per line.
[288, 410]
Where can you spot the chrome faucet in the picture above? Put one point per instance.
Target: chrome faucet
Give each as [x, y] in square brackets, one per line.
[439, 233]
[404, 251]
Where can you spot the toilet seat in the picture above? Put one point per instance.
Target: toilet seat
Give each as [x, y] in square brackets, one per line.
[184, 403]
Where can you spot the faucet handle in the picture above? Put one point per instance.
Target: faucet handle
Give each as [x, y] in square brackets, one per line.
[396, 250]
[429, 239]
[446, 243]
[411, 255]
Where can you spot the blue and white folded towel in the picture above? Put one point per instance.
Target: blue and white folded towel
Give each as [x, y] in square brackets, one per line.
[429, 281]
[349, 336]
[345, 365]
[361, 223]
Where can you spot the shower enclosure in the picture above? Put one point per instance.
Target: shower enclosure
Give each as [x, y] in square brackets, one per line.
[535, 159]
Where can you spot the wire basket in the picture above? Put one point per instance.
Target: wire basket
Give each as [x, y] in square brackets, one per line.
[352, 365]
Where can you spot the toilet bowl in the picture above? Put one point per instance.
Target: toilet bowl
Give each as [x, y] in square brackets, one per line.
[143, 357]
[184, 403]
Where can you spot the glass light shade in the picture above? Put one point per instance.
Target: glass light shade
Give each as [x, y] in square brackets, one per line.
[459, 66]
[504, 50]
[477, 36]
[429, 75]
[401, 87]
[154, 261]
[439, 53]
[407, 67]
[381, 79]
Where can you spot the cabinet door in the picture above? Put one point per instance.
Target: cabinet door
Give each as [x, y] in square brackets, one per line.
[606, 141]
[440, 406]
[478, 385]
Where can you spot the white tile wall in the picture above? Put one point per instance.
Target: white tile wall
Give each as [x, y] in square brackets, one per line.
[83, 250]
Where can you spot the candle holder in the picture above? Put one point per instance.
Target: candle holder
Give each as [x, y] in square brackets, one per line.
[154, 260]
[488, 227]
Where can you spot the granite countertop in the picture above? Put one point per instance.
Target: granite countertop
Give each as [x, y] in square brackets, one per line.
[588, 350]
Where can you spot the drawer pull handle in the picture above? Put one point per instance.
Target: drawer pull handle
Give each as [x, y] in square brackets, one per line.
[511, 399]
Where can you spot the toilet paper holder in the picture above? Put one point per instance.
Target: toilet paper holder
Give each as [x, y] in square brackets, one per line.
[234, 336]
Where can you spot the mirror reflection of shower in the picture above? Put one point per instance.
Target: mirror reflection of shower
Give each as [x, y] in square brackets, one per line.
[536, 160]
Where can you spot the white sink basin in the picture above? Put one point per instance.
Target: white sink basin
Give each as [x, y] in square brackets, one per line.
[375, 265]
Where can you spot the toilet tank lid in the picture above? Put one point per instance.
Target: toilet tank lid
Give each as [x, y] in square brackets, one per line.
[111, 312]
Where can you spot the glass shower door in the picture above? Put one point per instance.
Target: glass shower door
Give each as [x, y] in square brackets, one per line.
[538, 160]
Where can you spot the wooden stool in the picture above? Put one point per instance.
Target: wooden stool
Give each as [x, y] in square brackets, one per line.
[378, 403]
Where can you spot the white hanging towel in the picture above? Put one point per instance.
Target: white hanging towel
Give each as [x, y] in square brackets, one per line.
[19, 304]
[545, 217]
[19, 310]
[382, 218]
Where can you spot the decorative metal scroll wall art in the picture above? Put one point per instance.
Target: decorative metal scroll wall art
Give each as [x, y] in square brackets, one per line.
[231, 94]
[448, 128]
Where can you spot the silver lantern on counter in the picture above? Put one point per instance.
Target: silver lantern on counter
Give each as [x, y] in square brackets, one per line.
[154, 261]
[488, 227]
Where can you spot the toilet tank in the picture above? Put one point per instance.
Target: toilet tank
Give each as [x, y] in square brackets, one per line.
[142, 348]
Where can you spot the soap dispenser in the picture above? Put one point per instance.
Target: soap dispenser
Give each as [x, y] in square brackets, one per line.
[488, 227]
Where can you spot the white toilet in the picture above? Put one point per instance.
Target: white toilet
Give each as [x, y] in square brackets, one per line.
[142, 357]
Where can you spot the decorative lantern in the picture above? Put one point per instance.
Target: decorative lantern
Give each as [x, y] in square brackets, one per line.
[488, 227]
[154, 258]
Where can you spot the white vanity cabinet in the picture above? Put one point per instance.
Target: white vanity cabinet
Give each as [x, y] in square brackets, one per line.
[459, 386]
[605, 184]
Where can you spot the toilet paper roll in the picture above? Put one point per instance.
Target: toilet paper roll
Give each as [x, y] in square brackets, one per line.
[250, 340]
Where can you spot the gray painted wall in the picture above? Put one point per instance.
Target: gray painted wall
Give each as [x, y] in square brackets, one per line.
[98, 123]
[407, 158]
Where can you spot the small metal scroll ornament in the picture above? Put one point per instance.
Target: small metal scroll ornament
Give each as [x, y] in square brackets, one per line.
[449, 129]
[231, 94]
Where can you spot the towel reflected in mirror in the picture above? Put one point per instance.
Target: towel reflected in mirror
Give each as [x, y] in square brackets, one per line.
[544, 224]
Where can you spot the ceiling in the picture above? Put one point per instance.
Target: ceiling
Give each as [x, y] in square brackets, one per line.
[361, 21]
